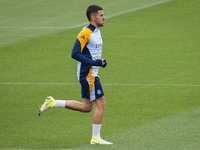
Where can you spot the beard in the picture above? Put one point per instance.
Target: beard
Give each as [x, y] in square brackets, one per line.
[101, 24]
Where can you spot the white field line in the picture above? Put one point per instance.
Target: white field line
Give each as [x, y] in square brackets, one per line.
[85, 23]
[109, 84]
[137, 8]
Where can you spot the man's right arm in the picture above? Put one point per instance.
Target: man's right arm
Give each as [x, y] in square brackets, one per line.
[77, 55]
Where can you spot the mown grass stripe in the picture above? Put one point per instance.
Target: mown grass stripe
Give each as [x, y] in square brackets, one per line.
[21, 5]
[85, 23]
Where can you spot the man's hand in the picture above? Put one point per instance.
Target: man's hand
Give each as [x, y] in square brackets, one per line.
[104, 62]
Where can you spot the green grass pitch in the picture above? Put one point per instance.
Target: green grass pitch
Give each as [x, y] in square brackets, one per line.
[151, 82]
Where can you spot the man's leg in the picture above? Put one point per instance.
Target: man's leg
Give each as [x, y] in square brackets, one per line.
[97, 121]
[86, 106]
[99, 110]
[50, 102]
[98, 116]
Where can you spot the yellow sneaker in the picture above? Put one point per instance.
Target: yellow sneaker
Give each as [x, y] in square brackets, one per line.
[99, 140]
[48, 104]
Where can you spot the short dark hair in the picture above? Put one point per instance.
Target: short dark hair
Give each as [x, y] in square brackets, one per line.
[92, 9]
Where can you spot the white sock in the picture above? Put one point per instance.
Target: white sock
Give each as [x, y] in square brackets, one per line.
[60, 103]
[96, 130]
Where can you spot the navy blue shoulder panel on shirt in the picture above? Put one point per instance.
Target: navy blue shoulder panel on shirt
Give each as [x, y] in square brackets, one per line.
[91, 27]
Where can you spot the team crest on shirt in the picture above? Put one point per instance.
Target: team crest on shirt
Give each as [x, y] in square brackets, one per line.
[99, 91]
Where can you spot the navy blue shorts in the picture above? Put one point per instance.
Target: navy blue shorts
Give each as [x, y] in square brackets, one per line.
[91, 88]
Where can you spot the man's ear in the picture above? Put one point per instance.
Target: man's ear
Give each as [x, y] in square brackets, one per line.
[92, 17]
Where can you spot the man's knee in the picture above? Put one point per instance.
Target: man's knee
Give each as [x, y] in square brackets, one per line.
[87, 109]
[87, 105]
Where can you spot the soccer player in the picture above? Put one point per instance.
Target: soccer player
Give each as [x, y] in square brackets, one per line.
[87, 51]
